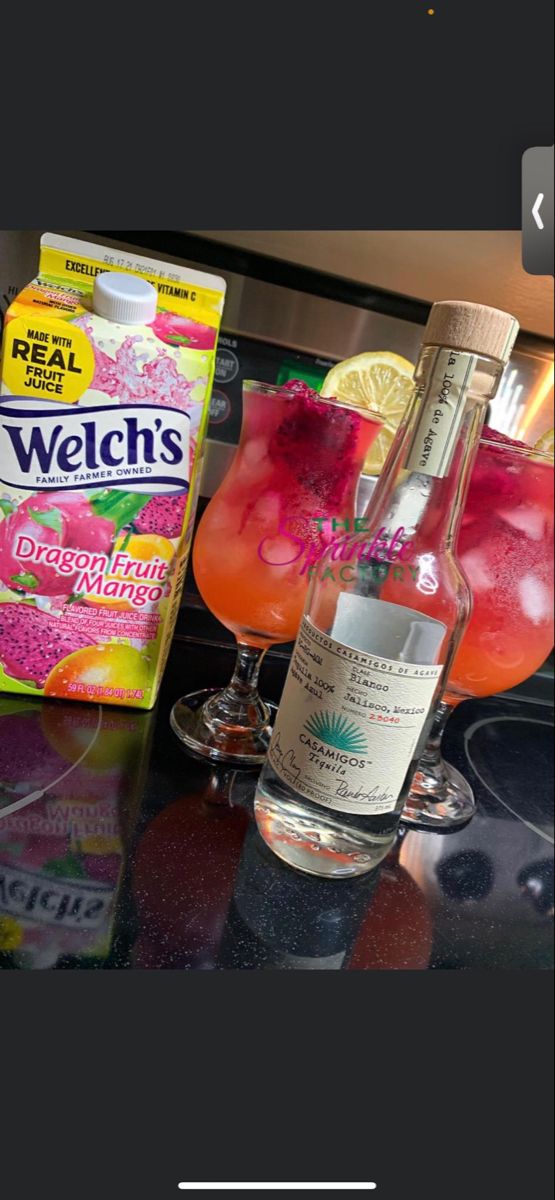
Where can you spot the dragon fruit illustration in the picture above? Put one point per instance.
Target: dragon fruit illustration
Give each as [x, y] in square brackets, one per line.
[66, 520]
[183, 331]
[162, 514]
[84, 528]
[14, 572]
[32, 642]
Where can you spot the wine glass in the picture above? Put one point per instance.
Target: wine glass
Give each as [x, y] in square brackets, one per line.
[505, 548]
[291, 488]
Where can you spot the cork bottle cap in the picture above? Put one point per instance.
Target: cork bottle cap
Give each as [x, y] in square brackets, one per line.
[475, 328]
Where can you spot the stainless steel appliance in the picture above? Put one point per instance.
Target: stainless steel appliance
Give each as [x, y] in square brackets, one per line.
[282, 321]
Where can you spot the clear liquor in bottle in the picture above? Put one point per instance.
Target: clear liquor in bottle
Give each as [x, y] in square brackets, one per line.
[383, 619]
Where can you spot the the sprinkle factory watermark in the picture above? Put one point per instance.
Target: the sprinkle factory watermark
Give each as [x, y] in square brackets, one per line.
[340, 550]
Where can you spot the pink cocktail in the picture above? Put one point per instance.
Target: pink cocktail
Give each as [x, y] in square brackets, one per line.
[299, 459]
[505, 549]
[296, 471]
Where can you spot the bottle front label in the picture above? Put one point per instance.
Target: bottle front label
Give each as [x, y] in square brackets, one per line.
[349, 723]
[443, 404]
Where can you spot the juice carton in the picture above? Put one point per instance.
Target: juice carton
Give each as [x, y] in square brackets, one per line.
[71, 784]
[106, 373]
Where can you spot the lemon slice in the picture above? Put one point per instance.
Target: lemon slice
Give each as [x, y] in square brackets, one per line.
[546, 444]
[377, 380]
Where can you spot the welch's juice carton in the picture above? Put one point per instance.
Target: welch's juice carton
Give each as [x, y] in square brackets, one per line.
[106, 374]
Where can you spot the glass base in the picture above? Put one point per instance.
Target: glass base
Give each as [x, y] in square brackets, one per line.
[443, 807]
[220, 743]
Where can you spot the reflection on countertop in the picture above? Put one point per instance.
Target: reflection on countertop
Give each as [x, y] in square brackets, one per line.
[118, 850]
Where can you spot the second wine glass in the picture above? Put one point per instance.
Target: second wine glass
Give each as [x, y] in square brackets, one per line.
[505, 548]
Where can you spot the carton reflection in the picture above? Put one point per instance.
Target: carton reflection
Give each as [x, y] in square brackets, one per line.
[70, 779]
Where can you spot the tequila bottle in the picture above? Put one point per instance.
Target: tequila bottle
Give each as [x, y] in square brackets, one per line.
[383, 619]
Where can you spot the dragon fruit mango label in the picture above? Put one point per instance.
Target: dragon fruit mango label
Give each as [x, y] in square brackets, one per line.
[106, 375]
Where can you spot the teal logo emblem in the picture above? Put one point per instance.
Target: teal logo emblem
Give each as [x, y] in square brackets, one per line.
[337, 732]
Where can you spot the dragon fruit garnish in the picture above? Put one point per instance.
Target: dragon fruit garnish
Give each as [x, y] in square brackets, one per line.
[494, 478]
[493, 435]
[309, 419]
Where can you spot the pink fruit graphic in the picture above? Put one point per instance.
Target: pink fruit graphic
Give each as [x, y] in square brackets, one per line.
[60, 519]
[163, 515]
[181, 331]
[54, 519]
[15, 572]
[32, 642]
[85, 530]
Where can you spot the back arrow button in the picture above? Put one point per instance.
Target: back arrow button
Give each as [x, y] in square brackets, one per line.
[536, 210]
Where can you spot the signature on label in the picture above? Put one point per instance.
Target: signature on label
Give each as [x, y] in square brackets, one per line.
[285, 759]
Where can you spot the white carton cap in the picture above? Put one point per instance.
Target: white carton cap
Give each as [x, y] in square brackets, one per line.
[126, 299]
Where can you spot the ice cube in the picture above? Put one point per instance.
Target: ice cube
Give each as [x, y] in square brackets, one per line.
[476, 566]
[254, 451]
[526, 518]
[239, 557]
[254, 461]
[280, 551]
[535, 598]
[267, 510]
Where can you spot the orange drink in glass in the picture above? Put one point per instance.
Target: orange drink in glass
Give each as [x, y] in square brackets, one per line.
[290, 490]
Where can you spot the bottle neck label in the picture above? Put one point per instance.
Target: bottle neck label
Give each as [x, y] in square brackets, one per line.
[441, 412]
[349, 723]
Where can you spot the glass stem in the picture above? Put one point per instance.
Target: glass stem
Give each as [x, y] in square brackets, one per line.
[431, 762]
[230, 788]
[239, 707]
[244, 681]
[218, 788]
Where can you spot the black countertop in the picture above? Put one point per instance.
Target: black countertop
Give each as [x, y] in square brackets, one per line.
[119, 850]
